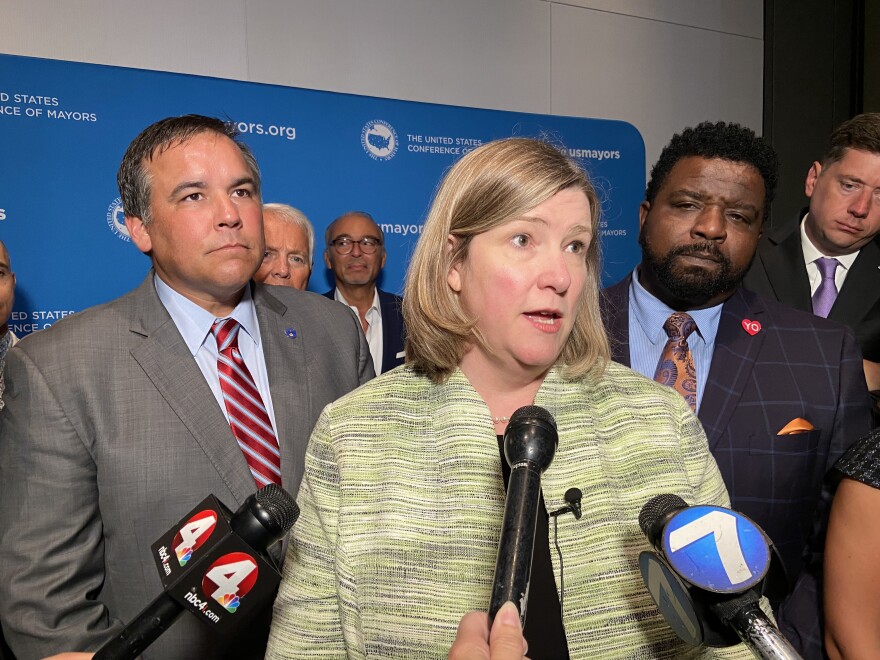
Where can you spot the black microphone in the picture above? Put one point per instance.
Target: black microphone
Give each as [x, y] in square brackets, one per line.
[572, 499]
[708, 574]
[529, 445]
[218, 568]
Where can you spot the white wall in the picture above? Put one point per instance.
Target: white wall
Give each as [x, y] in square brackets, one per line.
[658, 64]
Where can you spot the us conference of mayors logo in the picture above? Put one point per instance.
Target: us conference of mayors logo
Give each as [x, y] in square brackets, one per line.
[379, 139]
[116, 219]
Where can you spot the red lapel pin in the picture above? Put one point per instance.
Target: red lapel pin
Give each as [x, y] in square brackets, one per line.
[752, 327]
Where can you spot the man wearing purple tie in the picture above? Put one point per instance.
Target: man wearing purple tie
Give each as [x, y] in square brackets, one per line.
[827, 261]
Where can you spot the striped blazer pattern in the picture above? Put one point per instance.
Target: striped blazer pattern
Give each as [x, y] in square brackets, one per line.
[402, 503]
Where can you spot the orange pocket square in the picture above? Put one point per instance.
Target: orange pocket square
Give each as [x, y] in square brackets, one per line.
[797, 425]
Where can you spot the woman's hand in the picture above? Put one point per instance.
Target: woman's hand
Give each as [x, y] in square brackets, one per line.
[474, 641]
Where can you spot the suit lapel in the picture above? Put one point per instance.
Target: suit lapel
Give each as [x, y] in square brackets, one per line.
[784, 263]
[614, 304]
[391, 330]
[167, 362]
[284, 350]
[732, 362]
[858, 298]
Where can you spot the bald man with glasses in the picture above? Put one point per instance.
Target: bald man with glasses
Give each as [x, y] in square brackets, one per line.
[355, 253]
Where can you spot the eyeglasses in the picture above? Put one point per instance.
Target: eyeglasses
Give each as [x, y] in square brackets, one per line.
[345, 245]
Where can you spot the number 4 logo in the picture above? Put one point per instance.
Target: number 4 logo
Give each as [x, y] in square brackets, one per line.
[193, 534]
[230, 578]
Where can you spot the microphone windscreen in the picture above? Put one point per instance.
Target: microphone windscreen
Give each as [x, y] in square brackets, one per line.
[655, 510]
[530, 437]
[265, 517]
[280, 507]
[520, 415]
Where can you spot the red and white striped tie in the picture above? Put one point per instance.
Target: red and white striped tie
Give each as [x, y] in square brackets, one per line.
[247, 415]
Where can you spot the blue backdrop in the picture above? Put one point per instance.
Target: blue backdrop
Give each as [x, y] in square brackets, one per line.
[64, 127]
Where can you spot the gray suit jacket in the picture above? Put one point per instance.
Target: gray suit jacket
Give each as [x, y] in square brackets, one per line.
[111, 434]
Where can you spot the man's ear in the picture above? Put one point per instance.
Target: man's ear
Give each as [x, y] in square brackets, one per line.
[453, 277]
[327, 259]
[812, 178]
[644, 209]
[139, 233]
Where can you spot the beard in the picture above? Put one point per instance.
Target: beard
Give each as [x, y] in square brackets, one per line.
[692, 284]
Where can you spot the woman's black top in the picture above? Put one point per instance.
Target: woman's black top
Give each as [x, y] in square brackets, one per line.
[862, 461]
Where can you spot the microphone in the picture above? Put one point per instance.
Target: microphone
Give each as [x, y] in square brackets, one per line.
[708, 574]
[572, 498]
[529, 445]
[219, 569]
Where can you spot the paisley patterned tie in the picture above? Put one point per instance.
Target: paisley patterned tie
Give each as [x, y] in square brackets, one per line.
[676, 365]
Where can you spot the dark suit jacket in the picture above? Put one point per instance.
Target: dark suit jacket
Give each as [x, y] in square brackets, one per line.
[779, 272]
[393, 330]
[797, 365]
[111, 434]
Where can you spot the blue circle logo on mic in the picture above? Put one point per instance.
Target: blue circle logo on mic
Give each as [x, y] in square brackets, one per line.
[716, 549]
[379, 139]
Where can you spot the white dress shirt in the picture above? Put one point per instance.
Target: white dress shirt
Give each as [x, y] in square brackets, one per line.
[811, 253]
[374, 326]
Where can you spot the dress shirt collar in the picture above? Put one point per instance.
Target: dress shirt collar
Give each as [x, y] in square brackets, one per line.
[374, 307]
[651, 314]
[811, 252]
[194, 323]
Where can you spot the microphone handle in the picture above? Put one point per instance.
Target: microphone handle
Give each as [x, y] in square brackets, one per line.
[143, 630]
[758, 633]
[513, 566]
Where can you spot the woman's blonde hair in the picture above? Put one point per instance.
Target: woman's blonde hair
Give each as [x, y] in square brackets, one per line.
[486, 188]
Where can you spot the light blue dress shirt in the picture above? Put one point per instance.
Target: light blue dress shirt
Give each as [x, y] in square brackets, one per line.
[647, 338]
[194, 324]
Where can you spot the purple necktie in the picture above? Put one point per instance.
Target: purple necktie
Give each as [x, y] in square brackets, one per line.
[826, 294]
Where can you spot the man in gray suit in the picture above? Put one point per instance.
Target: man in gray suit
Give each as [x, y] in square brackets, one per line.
[117, 423]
